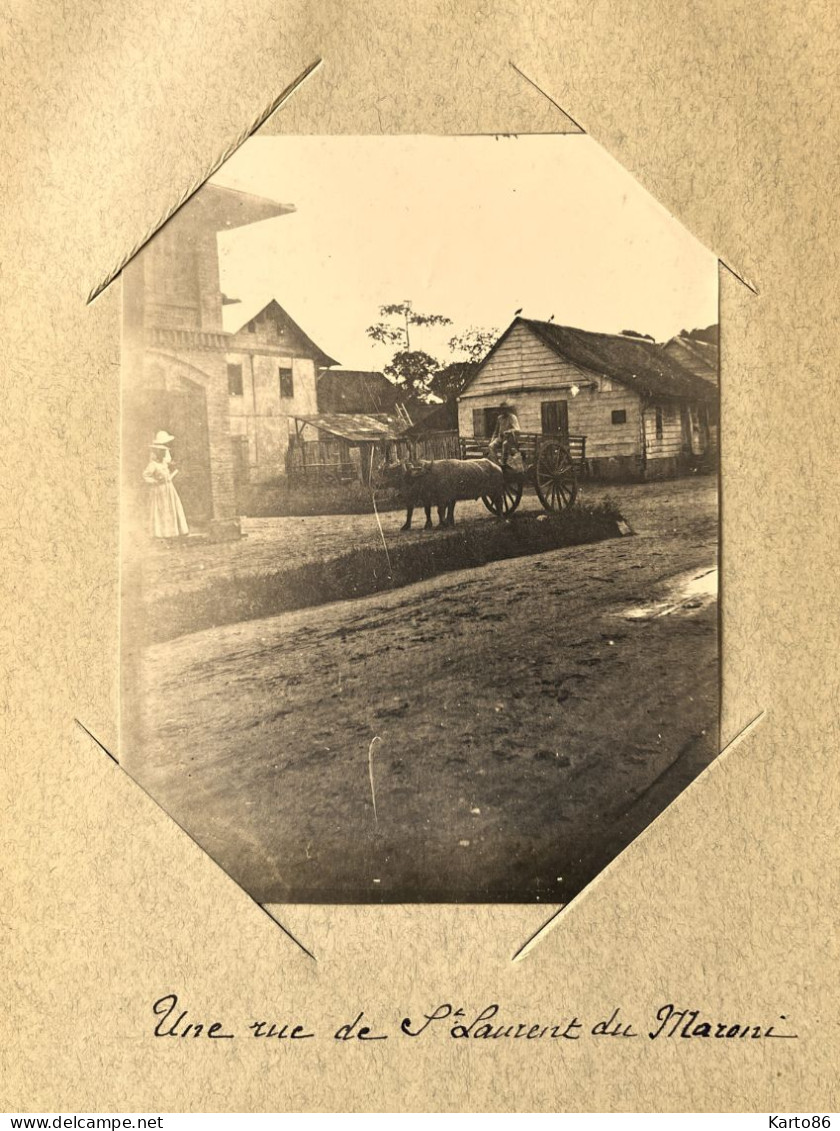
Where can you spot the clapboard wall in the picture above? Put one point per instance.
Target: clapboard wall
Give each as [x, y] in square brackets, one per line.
[528, 373]
[663, 431]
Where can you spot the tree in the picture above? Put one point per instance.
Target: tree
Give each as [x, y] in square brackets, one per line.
[414, 371]
[411, 369]
[473, 345]
[391, 334]
[711, 335]
[418, 372]
[451, 380]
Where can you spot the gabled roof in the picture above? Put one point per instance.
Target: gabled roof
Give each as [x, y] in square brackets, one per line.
[237, 316]
[638, 363]
[697, 356]
[357, 390]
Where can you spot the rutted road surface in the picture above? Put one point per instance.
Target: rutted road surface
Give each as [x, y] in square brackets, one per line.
[532, 716]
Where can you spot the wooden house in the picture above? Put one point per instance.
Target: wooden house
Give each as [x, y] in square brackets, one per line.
[698, 355]
[642, 413]
[272, 375]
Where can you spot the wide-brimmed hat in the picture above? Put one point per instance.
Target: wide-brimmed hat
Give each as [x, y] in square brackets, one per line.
[505, 404]
[162, 439]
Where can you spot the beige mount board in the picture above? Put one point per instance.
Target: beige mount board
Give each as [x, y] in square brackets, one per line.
[728, 903]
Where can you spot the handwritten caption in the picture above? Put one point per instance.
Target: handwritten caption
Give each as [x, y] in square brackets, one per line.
[489, 1022]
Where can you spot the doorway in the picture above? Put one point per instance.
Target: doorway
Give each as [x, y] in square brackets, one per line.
[182, 413]
[554, 416]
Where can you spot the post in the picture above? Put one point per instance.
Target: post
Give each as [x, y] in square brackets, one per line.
[256, 418]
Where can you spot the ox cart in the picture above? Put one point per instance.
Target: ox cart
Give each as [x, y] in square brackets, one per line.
[551, 464]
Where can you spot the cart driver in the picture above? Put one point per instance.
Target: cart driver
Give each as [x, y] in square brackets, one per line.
[505, 440]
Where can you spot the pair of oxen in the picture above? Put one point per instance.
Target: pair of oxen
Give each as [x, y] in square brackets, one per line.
[441, 483]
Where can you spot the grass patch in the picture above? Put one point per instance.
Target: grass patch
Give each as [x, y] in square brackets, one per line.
[282, 499]
[364, 571]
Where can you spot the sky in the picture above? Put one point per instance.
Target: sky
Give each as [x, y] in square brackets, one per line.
[473, 228]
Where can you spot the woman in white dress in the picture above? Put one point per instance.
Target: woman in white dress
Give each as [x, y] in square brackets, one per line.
[166, 514]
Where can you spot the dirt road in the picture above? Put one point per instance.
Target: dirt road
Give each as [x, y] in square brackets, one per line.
[520, 722]
[272, 542]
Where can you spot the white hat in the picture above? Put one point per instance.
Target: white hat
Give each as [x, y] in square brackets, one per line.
[162, 438]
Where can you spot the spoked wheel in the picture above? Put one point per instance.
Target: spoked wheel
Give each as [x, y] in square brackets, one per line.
[554, 477]
[511, 495]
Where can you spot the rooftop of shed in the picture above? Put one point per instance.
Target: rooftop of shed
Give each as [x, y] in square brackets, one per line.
[357, 427]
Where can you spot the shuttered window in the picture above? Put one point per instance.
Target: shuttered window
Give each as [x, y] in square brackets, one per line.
[491, 415]
[234, 379]
[478, 422]
[555, 418]
[287, 384]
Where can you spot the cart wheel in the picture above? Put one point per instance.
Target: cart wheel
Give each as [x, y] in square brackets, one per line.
[511, 495]
[554, 477]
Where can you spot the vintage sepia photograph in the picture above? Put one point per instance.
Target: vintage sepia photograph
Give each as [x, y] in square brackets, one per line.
[419, 517]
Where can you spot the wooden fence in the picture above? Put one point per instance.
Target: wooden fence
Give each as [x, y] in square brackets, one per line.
[472, 447]
[339, 461]
[327, 460]
[437, 445]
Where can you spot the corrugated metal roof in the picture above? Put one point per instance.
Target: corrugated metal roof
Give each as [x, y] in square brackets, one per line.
[356, 427]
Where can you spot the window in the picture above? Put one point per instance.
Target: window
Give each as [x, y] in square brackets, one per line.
[287, 384]
[234, 379]
[554, 417]
[659, 424]
[491, 415]
[252, 327]
[478, 422]
[619, 416]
